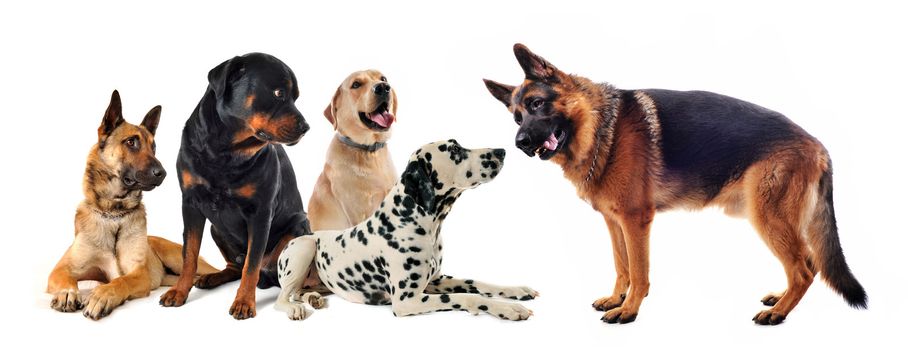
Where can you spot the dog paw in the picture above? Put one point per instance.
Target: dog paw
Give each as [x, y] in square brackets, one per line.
[298, 311]
[509, 311]
[518, 293]
[242, 309]
[66, 301]
[212, 280]
[101, 302]
[608, 303]
[771, 299]
[173, 298]
[769, 318]
[619, 315]
[315, 299]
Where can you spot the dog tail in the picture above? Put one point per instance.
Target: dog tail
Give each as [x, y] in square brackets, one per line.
[171, 255]
[824, 239]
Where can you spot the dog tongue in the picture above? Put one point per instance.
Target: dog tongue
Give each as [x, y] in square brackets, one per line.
[384, 118]
[551, 143]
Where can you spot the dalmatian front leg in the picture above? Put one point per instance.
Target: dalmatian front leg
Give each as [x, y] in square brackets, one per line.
[421, 303]
[292, 267]
[448, 284]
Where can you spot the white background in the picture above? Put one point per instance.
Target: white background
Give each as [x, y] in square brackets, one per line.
[837, 70]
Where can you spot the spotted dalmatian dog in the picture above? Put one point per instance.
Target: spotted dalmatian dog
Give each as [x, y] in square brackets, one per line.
[394, 257]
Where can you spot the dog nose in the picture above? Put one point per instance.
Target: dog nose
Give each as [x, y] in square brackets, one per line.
[382, 89]
[524, 142]
[158, 172]
[498, 153]
[303, 127]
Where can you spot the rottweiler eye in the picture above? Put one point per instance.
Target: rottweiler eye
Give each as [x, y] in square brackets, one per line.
[279, 94]
[517, 118]
[383, 78]
[536, 104]
[355, 85]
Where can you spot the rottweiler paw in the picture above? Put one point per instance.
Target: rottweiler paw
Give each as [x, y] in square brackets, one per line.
[608, 303]
[619, 315]
[101, 302]
[769, 318]
[66, 301]
[242, 309]
[173, 298]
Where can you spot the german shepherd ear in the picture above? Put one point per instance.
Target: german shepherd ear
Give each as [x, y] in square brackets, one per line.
[331, 110]
[113, 117]
[535, 67]
[150, 122]
[418, 185]
[225, 73]
[500, 91]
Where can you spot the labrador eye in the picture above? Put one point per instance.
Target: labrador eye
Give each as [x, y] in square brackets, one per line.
[355, 85]
[536, 104]
[383, 78]
[517, 118]
[279, 94]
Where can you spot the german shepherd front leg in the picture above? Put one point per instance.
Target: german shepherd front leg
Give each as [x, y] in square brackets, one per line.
[64, 287]
[622, 279]
[258, 227]
[193, 224]
[635, 224]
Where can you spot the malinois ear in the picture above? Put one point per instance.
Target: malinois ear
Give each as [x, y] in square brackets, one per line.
[500, 91]
[418, 185]
[150, 122]
[535, 67]
[113, 117]
[331, 110]
[221, 76]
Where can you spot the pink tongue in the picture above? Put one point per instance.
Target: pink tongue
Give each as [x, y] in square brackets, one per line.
[551, 143]
[384, 118]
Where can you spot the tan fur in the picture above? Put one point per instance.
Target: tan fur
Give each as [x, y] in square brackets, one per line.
[353, 181]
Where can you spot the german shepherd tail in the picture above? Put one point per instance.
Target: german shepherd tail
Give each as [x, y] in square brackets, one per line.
[171, 255]
[825, 241]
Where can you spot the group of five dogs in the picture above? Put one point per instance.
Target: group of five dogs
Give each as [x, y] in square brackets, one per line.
[373, 237]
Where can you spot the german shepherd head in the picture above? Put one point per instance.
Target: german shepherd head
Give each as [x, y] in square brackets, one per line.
[558, 113]
[123, 163]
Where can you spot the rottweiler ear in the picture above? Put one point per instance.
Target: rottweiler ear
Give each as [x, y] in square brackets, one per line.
[113, 117]
[296, 88]
[500, 91]
[418, 185]
[331, 110]
[150, 122]
[535, 67]
[222, 75]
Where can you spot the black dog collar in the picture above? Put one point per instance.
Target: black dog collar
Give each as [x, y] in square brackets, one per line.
[368, 148]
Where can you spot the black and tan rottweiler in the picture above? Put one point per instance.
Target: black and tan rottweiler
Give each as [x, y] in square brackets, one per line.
[234, 172]
[111, 245]
[631, 153]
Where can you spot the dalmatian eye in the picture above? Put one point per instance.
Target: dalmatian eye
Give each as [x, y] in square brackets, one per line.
[356, 85]
[279, 94]
[454, 148]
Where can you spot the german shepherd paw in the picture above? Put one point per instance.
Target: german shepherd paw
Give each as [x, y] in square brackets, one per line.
[173, 298]
[518, 293]
[608, 303]
[315, 299]
[242, 309]
[768, 317]
[771, 299]
[101, 302]
[619, 315]
[66, 301]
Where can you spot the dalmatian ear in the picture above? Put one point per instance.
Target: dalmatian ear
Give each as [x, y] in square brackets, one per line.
[418, 185]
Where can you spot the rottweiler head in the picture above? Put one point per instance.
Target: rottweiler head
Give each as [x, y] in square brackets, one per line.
[256, 92]
[364, 107]
[127, 151]
[439, 168]
[550, 105]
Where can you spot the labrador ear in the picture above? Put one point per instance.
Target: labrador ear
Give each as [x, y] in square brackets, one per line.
[394, 103]
[500, 91]
[113, 117]
[418, 185]
[535, 67]
[150, 122]
[225, 73]
[331, 110]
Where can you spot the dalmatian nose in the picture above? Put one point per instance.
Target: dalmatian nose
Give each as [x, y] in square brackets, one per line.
[498, 153]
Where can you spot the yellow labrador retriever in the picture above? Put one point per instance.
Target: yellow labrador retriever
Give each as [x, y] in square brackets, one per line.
[358, 169]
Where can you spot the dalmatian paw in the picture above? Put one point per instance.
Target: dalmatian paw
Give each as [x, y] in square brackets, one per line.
[315, 299]
[297, 311]
[608, 303]
[101, 302]
[518, 293]
[508, 311]
[67, 300]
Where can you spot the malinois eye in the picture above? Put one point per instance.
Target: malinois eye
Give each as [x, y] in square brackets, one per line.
[536, 104]
[517, 118]
[356, 85]
[130, 142]
[279, 94]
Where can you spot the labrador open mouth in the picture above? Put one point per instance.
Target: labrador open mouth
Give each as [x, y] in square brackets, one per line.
[380, 119]
[551, 145]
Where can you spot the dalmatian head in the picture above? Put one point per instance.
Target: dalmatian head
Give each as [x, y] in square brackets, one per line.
[437, 172]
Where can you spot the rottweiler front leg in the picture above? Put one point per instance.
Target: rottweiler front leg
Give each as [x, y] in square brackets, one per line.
[193, 224]
[258, 228]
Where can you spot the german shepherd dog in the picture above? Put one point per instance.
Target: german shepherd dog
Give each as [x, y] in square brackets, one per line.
[111, 245]
[631, 153]
[235, 173]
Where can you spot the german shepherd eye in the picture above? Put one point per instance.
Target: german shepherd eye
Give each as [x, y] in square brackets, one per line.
[131, 143]
[356, 85]
[536, 104]
[517, 118]
[279, 94]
